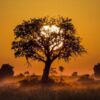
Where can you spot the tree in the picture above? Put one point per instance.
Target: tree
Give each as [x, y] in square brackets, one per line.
[26, 73]
[6, 71]
[61, 69]
[74, 74]
[97, 70]
[85, 78]
[46, 39]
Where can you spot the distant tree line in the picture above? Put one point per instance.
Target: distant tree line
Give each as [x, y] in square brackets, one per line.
[6, 71]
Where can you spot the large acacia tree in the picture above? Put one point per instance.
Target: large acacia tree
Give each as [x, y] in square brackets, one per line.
[46, 39]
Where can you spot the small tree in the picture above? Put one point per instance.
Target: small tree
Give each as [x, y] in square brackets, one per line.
[61, 69]
[74, 74]
[46, 39]
[85, 78]
[97, 70]
[26, 73]
[6, 71]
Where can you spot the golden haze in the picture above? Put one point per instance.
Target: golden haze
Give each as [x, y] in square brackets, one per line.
[86, 18]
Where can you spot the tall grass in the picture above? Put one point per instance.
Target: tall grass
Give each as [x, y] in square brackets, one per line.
[71, 91]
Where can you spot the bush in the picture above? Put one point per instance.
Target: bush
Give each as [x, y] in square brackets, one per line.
[85, 78]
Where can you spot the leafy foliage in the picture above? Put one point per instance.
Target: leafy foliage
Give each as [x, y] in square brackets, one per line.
[30, 43]
[97, 70]
[61, 68]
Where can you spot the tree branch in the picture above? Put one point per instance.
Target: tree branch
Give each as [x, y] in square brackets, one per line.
[39, 57]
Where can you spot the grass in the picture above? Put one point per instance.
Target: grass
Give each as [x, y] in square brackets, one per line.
[68, 91]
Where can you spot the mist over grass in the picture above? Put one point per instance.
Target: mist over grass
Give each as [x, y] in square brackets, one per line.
[71, 90]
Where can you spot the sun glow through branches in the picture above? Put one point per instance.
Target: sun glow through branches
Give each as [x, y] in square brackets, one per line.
[47, 30]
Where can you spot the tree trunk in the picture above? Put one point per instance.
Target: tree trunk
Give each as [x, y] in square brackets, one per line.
[45, 76]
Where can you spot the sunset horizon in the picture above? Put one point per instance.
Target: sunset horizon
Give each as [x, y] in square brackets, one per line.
[85, 17]
[50, 50]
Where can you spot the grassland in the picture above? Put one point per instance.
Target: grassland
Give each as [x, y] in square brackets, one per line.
[71, 90]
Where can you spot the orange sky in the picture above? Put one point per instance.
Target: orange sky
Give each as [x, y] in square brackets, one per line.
[86, 18]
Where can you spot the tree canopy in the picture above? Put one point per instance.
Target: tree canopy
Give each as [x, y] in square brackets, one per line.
[29, 41]
[46, 39]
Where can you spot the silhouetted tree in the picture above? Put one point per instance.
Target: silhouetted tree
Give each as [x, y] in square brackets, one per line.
[85, 78]
[26, 73]
[97, 70]
[20, 75]
[61, 69]
[6, 71]
[46, 39]
[74, 74]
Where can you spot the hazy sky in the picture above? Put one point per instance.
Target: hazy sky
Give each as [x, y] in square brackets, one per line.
[86, 18]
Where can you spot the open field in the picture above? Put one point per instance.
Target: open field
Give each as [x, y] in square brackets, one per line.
[67, 91]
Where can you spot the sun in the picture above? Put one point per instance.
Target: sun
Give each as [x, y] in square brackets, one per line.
[47, 30]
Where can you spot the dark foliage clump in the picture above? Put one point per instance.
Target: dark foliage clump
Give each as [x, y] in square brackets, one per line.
[97, 70]
[85, 78]
[6, 71]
